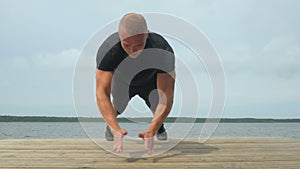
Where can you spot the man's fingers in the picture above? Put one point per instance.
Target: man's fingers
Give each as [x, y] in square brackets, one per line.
[118, 141]
[118, 149]
[115, 149]
[149, 150]
[148, 143]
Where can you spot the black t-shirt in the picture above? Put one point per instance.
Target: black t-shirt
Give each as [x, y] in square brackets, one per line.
[157, 57]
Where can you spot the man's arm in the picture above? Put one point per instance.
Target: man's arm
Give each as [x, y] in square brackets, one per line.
[165, 86]
[103, 90]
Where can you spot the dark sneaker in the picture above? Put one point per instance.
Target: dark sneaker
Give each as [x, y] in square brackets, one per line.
[161, 133]
[108, 135]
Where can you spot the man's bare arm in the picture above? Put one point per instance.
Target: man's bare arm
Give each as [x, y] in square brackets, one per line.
[103, 90]
[103, 82]
[165, 86]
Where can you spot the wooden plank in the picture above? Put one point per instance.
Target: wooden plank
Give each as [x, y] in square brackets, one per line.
[184, 141]
[162, 159]
[225, 140]
[95, 164]
[216, 153]
[90, 145]
[84, 154]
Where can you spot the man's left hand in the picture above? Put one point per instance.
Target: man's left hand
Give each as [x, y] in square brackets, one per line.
[148, 138]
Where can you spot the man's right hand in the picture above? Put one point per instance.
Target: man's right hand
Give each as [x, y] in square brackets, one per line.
[118, 140]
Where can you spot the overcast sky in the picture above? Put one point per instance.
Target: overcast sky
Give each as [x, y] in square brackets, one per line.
[258, 43]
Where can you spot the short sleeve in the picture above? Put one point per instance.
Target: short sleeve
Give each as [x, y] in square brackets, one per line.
[105, 60]
[168, 60]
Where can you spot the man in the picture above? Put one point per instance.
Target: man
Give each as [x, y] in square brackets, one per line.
[155, 86]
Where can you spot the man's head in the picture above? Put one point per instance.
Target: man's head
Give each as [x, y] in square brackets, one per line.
[133, 33]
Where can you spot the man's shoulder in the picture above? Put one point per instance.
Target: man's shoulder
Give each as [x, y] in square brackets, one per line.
[112, 39]
[110, 45]
[109, 53]
[155, 37]
[158, 41]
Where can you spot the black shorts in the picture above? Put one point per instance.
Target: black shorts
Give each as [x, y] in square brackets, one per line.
[148, 93]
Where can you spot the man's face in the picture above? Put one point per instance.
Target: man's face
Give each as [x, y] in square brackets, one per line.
[133, 45]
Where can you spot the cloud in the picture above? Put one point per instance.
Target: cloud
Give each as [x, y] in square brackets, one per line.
[263, 75]
[56, 61]
[280, 57]
[20, 63]
[236, 57]
[46, 61]
[40, 80]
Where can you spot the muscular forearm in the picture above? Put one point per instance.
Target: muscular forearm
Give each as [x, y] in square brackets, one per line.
[161, 113]
[106, 108]
[165, 86]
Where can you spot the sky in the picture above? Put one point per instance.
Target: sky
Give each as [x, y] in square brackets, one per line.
[258, 43]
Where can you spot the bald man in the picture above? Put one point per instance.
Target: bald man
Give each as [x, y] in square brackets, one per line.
[154, 85]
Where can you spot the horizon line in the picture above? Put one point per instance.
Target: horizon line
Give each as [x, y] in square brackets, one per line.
[262, 118]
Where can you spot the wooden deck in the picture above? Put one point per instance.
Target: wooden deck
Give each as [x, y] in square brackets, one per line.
[215, 153]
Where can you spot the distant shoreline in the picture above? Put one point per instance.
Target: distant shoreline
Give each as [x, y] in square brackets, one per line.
[146, 119]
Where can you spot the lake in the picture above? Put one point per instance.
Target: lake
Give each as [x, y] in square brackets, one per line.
[21, 130]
